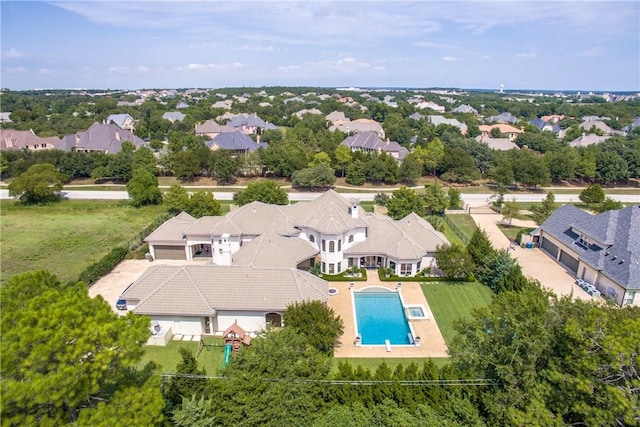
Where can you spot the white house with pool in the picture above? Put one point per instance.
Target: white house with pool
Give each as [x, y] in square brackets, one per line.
[331, 231]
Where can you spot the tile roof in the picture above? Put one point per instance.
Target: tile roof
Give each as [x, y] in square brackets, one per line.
[464, 109]
[590, 139]
[212, 127]
[249, 120]
[274, 250]
[233, 141]
[439, 120]
[107, 138]
[204, 289]
[616, 251]
[174, 116]
[372, 141]
[501, 144]
[171, 231]
[505, 117]
[120, 120]
[20, 139]
[504, 128]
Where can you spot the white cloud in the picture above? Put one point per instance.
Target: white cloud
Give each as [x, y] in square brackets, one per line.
[200, 67]
[142, 69]
[529, 55]
[17, 70]
[449, 58]
[12, 53]
[45, 71]
[379, 68]
[119, 70]
[592, 52]
[435, 45]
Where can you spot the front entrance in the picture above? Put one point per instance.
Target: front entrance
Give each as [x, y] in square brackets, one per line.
[273, 320]
[201, 251]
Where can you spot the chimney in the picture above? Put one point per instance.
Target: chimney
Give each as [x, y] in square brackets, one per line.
[353, 209]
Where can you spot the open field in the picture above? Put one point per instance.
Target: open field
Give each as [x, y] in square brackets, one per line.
[68, 236]
[452, 301]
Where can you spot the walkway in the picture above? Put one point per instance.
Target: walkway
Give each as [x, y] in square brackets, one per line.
[534, 262]
[433, 344]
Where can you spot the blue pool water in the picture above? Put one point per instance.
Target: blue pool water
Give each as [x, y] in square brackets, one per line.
[380, 317]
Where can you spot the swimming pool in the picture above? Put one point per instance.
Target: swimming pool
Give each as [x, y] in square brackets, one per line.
[380, 317]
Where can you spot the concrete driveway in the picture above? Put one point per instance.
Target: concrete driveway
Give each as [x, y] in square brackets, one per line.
[113, 284]
[534, 262]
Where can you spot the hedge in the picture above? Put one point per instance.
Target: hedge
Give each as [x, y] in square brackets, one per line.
[342, 278]
[393, 278]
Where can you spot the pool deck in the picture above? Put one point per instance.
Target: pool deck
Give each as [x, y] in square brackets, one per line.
[432, 342]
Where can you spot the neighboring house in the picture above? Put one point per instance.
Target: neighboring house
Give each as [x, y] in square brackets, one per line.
[208, 299]
[212, 129]
[330, 231]
[359, 125]
[500, 144]
[301, 113]
[293, 99]
[594, 118]
[544, 125]
[587, 125]
[553, 118]
[173, 116]
[107, 138]
[123, 121]
[633, 125]
[505, 117]
[181, 105]
[508, 130]
[464, 108]
[603, 249]
[226, 104]
[417, 116]
[586, 140]
[5, 117]
[250, 123]
[430, 105]
[27, 140]
[370, 142]
[336, 118]
[236, 142]
[441, 120]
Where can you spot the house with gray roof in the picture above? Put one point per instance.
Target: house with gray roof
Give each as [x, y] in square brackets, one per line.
[174, 116]
[441, 120]
[11, 139]
[301, 113]
[544, 125]
[212, 129]
[200, 300]
[505, 117]
[588, 139]
[464, 108]
[587, 125]
[250, 123]
[236, 142]
[370, 142]
[107, 138]
[123, 121]
[602, 249]
[500, 144]
[5, 117]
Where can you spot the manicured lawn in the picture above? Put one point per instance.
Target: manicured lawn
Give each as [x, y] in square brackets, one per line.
[168, 357]
[68, 236]
[452, 301]
[372, 363]
[451, 236]
[465, 223]
[512, 232]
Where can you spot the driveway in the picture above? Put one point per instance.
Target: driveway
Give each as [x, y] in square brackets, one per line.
[113, 284]
[534, 262]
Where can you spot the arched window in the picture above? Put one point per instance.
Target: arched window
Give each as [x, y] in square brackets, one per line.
[332, 246]
[312, 238]
[324, 248]
[339, 245]
[351, 239]
[273, 319]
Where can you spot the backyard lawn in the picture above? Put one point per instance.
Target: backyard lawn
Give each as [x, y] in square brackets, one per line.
[68, 236]
[168, 357]
[465, 224]
[512, 232]
[452, 301]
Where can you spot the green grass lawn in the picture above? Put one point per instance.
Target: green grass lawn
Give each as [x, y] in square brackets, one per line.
[168, 357]
[68, 236]
[452, 301]
[465, 223]
[512, 232]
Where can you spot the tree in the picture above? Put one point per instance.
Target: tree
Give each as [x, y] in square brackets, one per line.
[607, 204]
[356, 173]
[320, 158]
[143, 158]
[542, 211]
[225, 166]
[455, 198]
[433, 156]
[403, 202]
[611, 167]
[196, 412]
[316, 322]
[68, 359]
[185, 165]
[454, 261]
[143, 189]
[267, 191]
[176, 199]
[510, 210]
[592, 194]
[343, 157]
[529, 168]
[480, 248]
[202, 203]
[41, 183]
[435, 198]
[410, 170]
[319, 177]
[182, 387]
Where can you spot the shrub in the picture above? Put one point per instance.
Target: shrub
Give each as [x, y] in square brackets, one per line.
[104, 265]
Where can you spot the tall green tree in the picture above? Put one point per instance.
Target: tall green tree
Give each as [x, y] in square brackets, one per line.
[510, 210]
[542, 211]
[592, 194]
[41, 183]
[410, 170]
[356, 173]
[319, 324]
[143, 189]
[69, 359]
[202, 203]
[404, 201]
[267, 191]
[143, 158]
[343, 158]
[435, 198]
[176, 199]
[454, 261]
[319, 177]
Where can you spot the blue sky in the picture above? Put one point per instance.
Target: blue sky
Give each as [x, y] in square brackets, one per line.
[581, 45]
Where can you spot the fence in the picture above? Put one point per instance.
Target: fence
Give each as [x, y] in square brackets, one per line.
[456, 230]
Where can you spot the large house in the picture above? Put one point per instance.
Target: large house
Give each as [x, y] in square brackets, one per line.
[236, 142]
[358, 126]
[603, 250]
[250, 123]
[370, 142]
[11, 139]
[508, 130]
[212, 129]
[107, 138]
[330, 231]
[123, 121]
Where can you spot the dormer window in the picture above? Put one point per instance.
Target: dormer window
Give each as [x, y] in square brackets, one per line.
[312, 238]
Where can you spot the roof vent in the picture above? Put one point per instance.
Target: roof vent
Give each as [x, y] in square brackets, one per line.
[614, 258]
[606, 253]
[621, 261]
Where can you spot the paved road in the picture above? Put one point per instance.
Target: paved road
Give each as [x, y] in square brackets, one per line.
[468, 198]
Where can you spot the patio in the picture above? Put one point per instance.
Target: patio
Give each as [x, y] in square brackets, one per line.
[432, 342]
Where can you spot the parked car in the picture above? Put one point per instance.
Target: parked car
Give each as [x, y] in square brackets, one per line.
[121, 304]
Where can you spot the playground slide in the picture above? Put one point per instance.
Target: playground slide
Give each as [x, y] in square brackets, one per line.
[227, 355]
